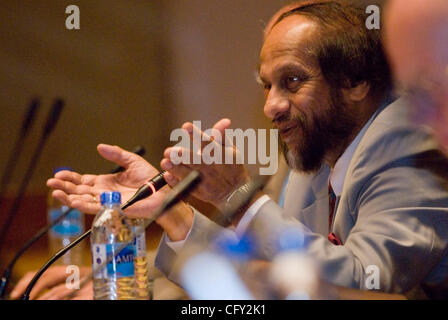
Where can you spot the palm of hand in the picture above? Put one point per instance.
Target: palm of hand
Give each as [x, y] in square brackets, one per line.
[80, 191]
[127, 183]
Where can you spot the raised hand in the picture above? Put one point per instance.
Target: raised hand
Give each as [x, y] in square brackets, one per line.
[83, 191]
[217, 180]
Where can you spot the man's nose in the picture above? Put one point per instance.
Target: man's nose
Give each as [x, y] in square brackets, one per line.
[275, 104]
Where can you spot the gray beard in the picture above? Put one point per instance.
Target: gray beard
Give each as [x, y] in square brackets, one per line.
[328, 132]
[293, 160]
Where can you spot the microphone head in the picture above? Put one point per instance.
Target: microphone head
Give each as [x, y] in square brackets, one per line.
[54, 115]
[30, 115]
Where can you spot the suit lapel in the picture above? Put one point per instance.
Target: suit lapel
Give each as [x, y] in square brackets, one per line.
[307, 199]
[315, 216]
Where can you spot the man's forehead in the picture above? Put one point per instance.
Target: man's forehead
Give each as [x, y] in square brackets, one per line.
[291, 36]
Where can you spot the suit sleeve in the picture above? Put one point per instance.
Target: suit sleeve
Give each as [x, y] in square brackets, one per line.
[202, 233]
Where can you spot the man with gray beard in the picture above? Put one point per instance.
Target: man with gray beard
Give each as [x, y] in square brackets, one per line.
[365, 190]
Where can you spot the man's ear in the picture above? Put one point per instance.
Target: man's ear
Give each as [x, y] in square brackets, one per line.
[356, 93]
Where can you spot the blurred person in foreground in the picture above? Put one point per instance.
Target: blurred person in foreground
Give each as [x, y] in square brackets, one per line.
[327, 90]
[416, 38]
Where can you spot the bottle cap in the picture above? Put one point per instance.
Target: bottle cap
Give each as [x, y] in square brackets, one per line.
[111, 197]
[57, 169]
[234, 248]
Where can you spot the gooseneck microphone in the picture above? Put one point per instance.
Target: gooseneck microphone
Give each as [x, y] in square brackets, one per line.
[52, 119]
[27, 124]
[146, 190]
[7, 273]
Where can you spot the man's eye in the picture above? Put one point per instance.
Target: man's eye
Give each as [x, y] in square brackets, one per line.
[267, 87]
[293, 83]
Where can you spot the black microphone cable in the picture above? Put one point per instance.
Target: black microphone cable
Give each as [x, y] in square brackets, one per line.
[7, 273]
[52, 119]
[144, 191]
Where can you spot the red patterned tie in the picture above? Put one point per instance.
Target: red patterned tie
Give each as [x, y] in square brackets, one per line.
[332, 203]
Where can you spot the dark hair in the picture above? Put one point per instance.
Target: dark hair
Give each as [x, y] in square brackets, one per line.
[348, 53]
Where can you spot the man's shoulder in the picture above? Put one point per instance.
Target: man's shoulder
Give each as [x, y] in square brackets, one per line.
[393, 135]
[397, 158]
[393, 145]
[395, 114]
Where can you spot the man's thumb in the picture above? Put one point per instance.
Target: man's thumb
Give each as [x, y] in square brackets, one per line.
[116, 154]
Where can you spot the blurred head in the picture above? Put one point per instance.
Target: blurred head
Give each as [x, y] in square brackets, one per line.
[416, 37]
[324, 74]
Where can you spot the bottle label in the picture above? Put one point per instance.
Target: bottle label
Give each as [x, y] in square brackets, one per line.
[70, 226]
[122, 265]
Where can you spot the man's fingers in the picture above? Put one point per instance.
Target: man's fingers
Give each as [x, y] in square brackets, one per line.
[56, 278]
[56, 293]
[222, 125]
[188, 126]
[86, 207]
[70, 176]
[94, 198]
[206, 136]
[20, 287]
[69, 187]
[177, 171]
[84, 203]
[117, 155]
[61, 196]
[51, 277]
[167, 165]
[85, 293]
[179, 155]
[60, 292]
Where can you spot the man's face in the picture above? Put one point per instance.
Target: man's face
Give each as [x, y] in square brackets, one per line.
[311, 117]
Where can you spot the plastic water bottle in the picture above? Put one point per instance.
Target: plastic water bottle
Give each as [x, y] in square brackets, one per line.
[126, 275]
[214, 273]
[294, 274]
[66, 230]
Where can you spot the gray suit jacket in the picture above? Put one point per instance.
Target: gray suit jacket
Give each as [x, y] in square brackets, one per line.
[392, 213]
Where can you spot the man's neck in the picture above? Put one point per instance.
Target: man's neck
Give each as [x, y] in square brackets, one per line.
[364, 111]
